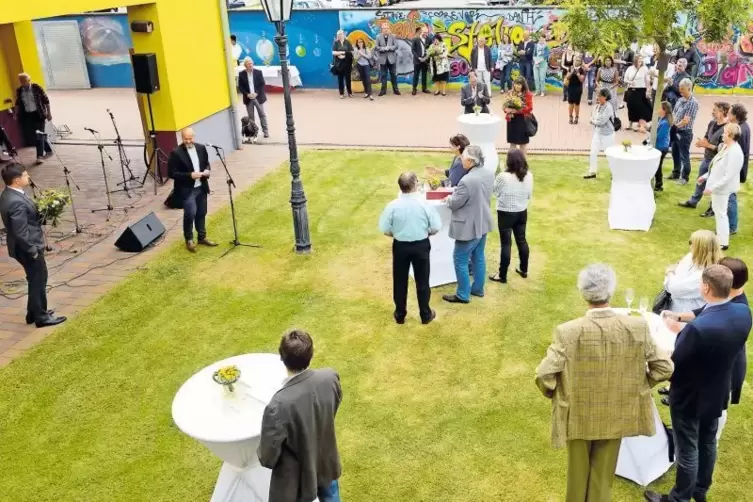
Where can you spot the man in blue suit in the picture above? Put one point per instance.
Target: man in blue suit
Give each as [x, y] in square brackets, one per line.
[705, 351]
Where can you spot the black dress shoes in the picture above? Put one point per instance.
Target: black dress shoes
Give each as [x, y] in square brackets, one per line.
[30, 319]
[687, 204]
[655, 497]
[398, 318]
[49, 321]
[453, 299]
[427, 321]
[664, 391]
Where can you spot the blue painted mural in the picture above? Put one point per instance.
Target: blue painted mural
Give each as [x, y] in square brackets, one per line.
[310, 37]
[106, 41]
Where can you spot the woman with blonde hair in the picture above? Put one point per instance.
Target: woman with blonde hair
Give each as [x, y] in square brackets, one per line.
[683, 281]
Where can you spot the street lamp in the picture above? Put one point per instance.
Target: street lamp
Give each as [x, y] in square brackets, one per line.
[278, 12]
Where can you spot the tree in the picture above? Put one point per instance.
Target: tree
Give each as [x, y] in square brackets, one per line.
[602, 26]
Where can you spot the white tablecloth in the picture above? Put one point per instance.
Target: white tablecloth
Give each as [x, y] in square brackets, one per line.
[230, 424]
[482, 130]
[642, 458]
[273, 75]
[442, 265]
[631, 200]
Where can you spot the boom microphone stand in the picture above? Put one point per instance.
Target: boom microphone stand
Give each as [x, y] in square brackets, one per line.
[230, 184]
[102, 153]
[125, 162]
[68, 179]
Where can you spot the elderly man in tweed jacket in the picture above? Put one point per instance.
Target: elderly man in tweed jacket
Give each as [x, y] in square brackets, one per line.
[599, 372]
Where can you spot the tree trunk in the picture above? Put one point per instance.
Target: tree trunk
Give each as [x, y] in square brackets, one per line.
[662, 66]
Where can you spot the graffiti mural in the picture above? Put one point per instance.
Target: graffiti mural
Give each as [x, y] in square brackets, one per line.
[727, 66]
[459, 29]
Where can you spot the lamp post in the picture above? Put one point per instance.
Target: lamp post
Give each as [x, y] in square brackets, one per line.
[278, 13]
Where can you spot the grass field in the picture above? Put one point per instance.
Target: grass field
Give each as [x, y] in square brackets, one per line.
[445, 412]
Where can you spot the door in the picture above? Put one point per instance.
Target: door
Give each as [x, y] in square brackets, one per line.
[62, 54]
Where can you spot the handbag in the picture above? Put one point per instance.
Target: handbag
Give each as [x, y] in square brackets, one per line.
[333, 68]
[662, 302]
[616, 123]
[532, 125]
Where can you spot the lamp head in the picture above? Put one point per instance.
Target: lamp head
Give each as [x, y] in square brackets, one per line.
[277, 10]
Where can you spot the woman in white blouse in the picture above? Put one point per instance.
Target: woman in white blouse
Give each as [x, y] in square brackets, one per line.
[723, 179]
[513, 189]
[637, 79]
[683, 281]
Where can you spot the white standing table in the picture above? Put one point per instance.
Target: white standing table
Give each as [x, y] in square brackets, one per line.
[645, 458]
[631, 200]
[229, 424]
[482, 130]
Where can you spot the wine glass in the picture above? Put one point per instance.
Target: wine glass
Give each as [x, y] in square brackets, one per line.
[643, 305]
[629, 297]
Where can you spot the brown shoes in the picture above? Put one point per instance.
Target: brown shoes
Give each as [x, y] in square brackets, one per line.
[208, 243]
[191, 246]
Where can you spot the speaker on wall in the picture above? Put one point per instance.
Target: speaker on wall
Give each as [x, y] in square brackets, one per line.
[141, 234]
[145, 73]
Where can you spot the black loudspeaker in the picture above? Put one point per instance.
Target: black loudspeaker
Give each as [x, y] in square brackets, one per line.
[145, 73]
[141, 234]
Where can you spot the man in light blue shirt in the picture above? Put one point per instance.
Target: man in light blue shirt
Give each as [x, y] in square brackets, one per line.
[409, 220]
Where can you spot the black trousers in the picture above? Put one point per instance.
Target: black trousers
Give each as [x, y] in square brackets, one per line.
[30, 124]
[392, 68]
[658, 177]
[405, 254]
[423, 69]
[365, 73]
[344, 81]
[515, 224]
[36, 277]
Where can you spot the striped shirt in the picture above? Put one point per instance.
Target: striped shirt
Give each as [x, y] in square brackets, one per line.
[512, 194]
[685, 107]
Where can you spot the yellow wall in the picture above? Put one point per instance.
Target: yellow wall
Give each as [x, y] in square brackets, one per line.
[187, 39]
[190, 57]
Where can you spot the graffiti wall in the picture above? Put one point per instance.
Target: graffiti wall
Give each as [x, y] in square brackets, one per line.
[727, 67]
[459, 29]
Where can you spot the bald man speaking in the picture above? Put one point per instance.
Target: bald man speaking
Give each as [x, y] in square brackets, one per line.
[188, 166]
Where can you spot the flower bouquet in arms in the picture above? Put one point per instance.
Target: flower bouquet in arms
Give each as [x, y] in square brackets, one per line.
[512, 104]
[51, 204]
[227, 376]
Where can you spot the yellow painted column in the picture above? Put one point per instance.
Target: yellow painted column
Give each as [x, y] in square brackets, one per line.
[18, 53]
[189, 45]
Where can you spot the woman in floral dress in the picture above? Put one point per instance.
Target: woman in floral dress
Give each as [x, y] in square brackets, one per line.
[440, 65]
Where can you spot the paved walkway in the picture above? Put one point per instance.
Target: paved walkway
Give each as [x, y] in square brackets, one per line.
[85, 266]
[322, 119]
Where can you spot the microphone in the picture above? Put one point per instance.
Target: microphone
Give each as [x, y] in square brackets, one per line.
[210, 145]
[32, 184]
[91, 130]
[40, 133]
[109, 112]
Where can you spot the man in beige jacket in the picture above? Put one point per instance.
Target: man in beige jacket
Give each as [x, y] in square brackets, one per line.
[599, 372]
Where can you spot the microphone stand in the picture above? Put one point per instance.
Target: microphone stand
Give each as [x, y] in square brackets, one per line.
[102, 153]
[125, 163]
[230, 184]
[77, 229]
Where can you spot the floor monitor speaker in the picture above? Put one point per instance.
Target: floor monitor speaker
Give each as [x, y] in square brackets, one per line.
[141, 234]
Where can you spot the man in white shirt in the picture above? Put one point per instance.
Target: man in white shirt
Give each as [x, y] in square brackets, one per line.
[481, 61]
[188, 166]
[237, 50]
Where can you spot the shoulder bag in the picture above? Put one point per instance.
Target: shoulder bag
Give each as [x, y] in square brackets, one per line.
[532, 125]
[662, 302]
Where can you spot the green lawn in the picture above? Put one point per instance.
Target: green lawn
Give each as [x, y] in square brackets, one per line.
[445, 412]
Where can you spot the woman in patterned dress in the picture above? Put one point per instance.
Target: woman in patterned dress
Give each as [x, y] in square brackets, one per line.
[606, 78]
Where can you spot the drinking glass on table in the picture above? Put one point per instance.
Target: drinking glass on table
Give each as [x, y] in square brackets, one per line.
[629, 297]
[643, 305]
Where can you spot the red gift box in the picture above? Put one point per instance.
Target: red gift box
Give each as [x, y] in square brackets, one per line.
[438, 194]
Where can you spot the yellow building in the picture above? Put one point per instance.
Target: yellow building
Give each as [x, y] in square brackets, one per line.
[190, 40]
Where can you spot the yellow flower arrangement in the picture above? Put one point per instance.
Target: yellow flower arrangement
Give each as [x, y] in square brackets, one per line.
[227, 376]
[626, 144]
[434, 182]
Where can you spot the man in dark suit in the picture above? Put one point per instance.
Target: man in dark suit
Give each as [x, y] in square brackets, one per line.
[26, 242]
[525, 59]
[298, 429]
[188, 166]
[481, 62]
[704, 355]
[474, 93]
[420, 59]
[251, 84]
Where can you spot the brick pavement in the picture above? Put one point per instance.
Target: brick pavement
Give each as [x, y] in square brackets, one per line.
[322, 119]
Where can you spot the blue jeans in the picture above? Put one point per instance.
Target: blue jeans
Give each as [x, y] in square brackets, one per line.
[698, 194]
[474, 250]
[505, 80]
[526, 71]
[695, 447]
[591, 81]
[732, 212]
[681, 154]
[539, 75]
[329, 493]
[195, 211]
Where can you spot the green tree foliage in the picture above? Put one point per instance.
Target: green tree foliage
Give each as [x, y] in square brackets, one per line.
[604, 26]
